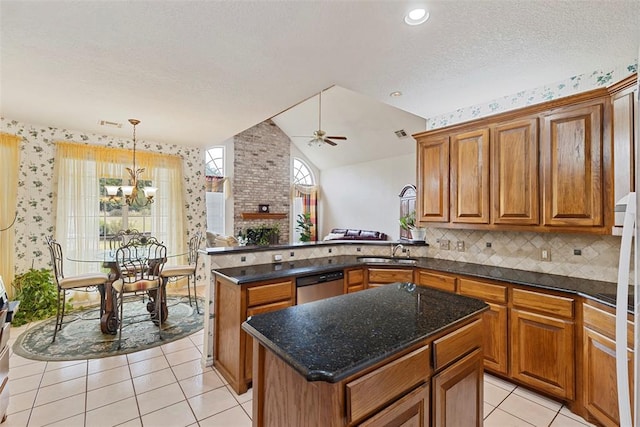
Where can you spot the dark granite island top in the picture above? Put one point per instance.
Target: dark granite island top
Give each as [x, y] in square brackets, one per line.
[331, 339]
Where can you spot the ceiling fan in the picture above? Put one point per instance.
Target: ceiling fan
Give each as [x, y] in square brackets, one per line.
[319, 136]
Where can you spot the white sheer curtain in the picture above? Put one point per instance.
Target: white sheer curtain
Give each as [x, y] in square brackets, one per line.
[79, 168]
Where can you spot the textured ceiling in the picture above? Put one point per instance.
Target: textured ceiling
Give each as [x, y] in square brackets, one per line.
[199, 72]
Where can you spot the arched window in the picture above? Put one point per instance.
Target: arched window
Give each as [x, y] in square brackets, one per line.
[304, 203]
[215, 197]
[301, 173]
[214, 165]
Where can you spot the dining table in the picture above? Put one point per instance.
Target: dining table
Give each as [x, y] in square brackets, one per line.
[109, 318]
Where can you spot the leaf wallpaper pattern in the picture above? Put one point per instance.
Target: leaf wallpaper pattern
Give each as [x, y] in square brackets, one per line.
[35, 184]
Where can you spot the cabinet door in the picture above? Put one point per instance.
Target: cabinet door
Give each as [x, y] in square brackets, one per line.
[410, 411]
[542, 352]
[353, 280]
[496, 357]
[433, 180]
[624, 136]
[514, 173]
[600, 382]
[470, 177]
[572, 169]
[384, 276]
[458, 393]
[437, 281]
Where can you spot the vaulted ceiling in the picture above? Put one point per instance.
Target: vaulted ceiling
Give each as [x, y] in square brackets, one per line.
[198, 72]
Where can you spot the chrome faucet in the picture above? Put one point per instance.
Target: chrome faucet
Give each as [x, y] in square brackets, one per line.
[395, 248]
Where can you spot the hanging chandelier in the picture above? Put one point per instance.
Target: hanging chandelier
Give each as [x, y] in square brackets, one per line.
[130, 192]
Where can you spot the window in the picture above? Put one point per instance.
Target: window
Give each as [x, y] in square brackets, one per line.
[214, 163]
[301, 173]
[116, 216]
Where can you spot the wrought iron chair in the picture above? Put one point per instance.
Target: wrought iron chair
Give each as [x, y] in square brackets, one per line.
[175, 272]
[140, 263]
[81, 282]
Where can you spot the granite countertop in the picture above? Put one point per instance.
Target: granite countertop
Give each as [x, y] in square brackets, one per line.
[598, 290]
[332, 339]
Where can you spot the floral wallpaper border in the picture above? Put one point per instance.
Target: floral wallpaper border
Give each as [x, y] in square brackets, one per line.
[35, 187]
[572, 85]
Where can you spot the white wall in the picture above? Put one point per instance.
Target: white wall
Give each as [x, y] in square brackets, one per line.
[365, 195]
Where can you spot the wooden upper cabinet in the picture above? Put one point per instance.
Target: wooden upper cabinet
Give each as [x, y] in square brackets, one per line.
[514, 172]
[470, 177]
[433, 180]
[572, 166]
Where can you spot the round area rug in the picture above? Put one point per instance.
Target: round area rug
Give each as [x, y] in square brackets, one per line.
[81, 338]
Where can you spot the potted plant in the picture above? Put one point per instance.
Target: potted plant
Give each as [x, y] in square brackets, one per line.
[408, 222]
[304, 225]
[37, 294]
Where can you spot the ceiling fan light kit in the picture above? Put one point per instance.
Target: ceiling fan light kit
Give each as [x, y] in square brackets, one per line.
[320, 137]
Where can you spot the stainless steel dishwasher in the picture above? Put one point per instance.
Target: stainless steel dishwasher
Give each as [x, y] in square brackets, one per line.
[319, 286]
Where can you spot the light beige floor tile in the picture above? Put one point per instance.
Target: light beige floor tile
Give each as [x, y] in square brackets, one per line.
[19, 419]
[105, 378]
[137, 422]
[21, 361]
[567, 413]
[493, 394]
[564, 421]
[56, 411]
[52, 366]
[144, 354]
[23, 384]
[22, 401]
[190, 369]
[107, 363]
[114, 413]
[234, 417]
[212, 402]
[176, 415]
[147, 366]
[248, 408]
[529, 410]
[199, 384]
[540, 400]
[145, 383]
[183, 356]
[61, 390]
[241, 398]
[27, 370]
[107, 395]
[487, 409]
[64, 374]
[499, 382]
[200, 348]
[181, 344]
[224, 380]
[159, 398]
[499, 418]
[75, 421]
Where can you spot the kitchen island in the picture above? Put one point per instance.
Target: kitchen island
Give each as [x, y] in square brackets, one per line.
[395, 354]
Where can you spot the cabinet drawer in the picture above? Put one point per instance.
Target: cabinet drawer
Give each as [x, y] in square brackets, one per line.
[484, 291]
[266, 308]
[457, 344]
[355, 277]
[604, 322]
[544, 303]
[390, 275]
[437, 281]
[377, 388]
[273, 292]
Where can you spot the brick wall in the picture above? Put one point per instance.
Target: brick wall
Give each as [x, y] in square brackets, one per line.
[262, 176]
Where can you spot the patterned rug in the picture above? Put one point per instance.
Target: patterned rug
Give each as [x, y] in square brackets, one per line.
[81, 338]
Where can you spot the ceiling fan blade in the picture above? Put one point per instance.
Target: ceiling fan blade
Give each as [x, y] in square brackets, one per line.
[301, 136]
[330, 142]
[344, 138]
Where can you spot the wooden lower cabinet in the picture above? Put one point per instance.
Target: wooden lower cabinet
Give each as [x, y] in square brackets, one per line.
[354, 280]
[458, 393]
[542, 350]
[412, 410]
[599, 358]
[384, 276]
[436, 280]
[233, 348]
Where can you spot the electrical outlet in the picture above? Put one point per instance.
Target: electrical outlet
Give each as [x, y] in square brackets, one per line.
[444, 244]
[277, 258]
[460, 245]
[545, 254]
[577, 251]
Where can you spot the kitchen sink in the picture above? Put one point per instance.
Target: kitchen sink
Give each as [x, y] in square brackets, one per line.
[386, 260]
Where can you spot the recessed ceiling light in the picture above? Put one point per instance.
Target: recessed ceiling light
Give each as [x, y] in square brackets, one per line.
[395, 93]
[416, 16]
